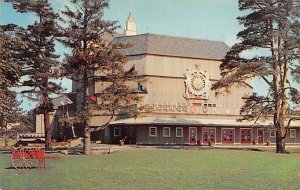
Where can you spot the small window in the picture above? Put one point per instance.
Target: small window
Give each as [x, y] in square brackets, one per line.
[166, 132]
[152, 131]
[179, 132]
[117, 131]
[142, 89]
[272, 133]
[292, 133]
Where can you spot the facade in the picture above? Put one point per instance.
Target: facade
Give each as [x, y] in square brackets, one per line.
[64, 107]
[178, 105]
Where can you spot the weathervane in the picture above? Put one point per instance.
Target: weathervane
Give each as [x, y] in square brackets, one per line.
[131, 6]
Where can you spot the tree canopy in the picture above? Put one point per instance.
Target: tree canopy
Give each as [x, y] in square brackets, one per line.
[10, 72]
[272, 26]
[38, 58]
[95, 59]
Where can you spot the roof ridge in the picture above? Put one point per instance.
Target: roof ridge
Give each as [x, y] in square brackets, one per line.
[185, 38]
[174, 46]
[178, 37]
[130, 18]
[131, 36]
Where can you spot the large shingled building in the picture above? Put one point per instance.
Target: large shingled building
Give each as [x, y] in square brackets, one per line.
[179, 106]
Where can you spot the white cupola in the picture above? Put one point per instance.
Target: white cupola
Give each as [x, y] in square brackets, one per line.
[130, 27]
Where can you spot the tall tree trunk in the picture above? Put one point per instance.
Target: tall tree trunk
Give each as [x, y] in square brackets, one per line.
[278, 117]
[280, 142]
[5, 139]
[283, 65]
[47, 130]
[87, 141]
[87, 133]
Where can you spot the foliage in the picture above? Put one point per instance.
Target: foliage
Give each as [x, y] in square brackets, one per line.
[26, 122]
[273, 27]
[160, 169]
[9, 76]
[95, 59]
[39, 57]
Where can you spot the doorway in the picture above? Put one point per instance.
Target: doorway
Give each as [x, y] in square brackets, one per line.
[192, 135]
[260, 136]
[227, 136]
[245, 136]
[209, 135]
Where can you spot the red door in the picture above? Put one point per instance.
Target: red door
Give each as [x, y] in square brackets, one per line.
[245, 136]
[209, 135]
[227, 136]
[193, 135]
[260, 136]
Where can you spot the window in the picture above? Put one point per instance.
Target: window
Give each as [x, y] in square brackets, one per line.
[292, 133]
[179, 132]
[272, 133]
[166, 132]
[117, 131]
[152, 131]
[142, 89]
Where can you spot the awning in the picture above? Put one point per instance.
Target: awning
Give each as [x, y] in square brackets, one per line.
[193, 122]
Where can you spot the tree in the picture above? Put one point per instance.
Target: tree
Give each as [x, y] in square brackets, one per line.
[95, 59]
[9, 76]
[9, 73]
[26, 122]
[39, 57]
[273, 27]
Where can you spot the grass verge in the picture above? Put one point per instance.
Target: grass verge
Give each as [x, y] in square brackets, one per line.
[160, 169]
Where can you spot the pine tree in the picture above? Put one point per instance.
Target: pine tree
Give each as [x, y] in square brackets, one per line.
[95, 59]
[273, 26]
[39, 57]
[9, 77]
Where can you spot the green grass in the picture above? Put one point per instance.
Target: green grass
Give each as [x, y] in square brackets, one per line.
[160, 169]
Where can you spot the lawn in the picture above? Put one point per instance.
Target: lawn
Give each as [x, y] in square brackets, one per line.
[160, 169]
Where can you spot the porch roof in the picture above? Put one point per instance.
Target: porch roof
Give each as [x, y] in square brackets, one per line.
[193, 122]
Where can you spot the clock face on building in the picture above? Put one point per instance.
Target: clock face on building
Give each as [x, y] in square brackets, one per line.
[197, 83]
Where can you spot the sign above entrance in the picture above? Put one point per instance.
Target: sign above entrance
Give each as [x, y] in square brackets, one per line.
[196, 84]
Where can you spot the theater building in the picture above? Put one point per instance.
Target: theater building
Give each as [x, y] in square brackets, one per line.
[179, 106]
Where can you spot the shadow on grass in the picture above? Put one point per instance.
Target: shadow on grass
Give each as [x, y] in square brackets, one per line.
[24, 168]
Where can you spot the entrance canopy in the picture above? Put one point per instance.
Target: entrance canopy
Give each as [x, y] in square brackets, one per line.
[195, 122]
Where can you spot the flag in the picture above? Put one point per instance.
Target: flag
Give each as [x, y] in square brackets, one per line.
[65, 100]
[68, 100]
[93, 99]
[62, 103]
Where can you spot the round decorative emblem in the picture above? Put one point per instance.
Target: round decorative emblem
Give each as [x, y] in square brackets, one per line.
[197, 83]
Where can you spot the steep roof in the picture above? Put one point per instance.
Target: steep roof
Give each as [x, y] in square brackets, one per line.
[130, 18]
[173, 46]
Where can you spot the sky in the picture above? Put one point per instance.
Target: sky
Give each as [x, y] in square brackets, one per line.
[198, 19]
